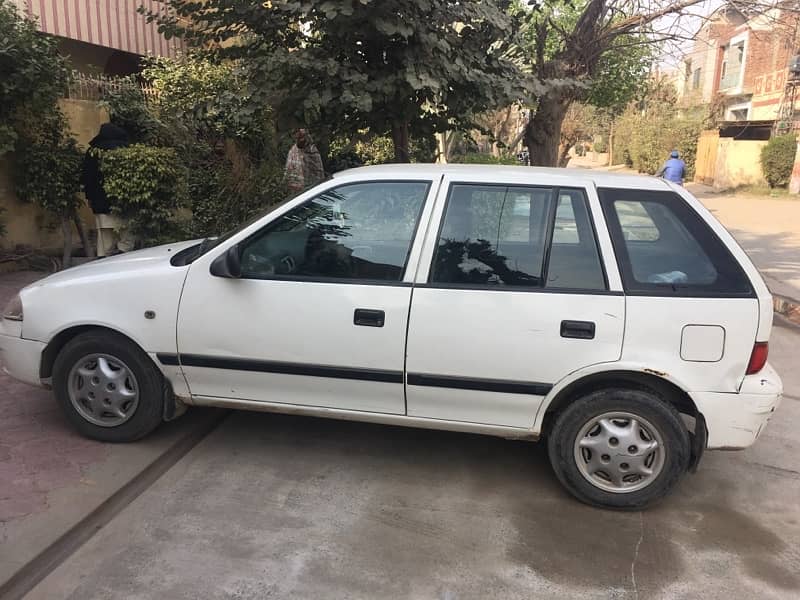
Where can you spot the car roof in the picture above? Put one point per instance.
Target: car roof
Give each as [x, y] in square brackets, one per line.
[600, 178]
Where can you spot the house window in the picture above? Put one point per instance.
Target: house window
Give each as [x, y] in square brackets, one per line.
[739, 114]
[696, 79]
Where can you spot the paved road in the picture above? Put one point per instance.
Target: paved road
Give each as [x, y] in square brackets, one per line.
[289, 507]
[768, 229]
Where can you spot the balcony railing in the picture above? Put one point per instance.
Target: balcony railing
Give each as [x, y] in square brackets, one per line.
[100, 87]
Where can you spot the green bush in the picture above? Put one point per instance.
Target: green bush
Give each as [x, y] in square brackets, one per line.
[375, 150]
[600, 146]
[145, 186]
[484, 159]
[47, 165]
[224, 195]
[777, 160]
[128, 109]
[645, 141]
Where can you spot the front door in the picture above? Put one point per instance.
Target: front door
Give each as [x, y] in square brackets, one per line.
[516, 298]
[319, 314]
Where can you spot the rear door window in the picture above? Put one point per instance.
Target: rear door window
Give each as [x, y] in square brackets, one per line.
[493, 235]
[665, 247]
[517, 236]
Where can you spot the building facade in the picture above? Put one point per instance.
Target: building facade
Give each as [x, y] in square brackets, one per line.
[101, 36]
[742, 64]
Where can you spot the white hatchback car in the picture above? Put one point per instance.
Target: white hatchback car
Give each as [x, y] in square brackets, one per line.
[610, 313]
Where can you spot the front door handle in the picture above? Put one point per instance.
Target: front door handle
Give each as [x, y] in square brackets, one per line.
[582, 330]
[368, 317]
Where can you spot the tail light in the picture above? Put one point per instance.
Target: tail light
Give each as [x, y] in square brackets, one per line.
[758, 358]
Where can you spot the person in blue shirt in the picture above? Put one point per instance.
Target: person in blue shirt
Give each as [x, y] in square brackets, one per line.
[674, 169]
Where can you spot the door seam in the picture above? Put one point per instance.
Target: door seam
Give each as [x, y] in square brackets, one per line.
[405, 352]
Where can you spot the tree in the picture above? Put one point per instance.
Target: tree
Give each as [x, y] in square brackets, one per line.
[33, 76]
[47, 172]
[578, 125]
[46, 157]
[395, 67]
[587, 51]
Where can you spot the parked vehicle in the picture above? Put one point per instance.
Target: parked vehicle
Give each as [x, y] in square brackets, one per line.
[610, 314]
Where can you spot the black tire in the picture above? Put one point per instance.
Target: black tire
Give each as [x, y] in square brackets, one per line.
[148, 414]
[659, 413]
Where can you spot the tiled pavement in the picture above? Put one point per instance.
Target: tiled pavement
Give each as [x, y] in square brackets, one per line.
[51, 478]
[39, 452]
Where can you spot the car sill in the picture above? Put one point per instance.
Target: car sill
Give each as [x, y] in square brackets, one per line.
[515, 433]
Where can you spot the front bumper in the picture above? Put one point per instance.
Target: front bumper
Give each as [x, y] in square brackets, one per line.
[734, 421]
[21, 358]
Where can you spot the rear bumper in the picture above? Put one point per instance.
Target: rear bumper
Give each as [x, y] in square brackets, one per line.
[734, 421]
[21, 358]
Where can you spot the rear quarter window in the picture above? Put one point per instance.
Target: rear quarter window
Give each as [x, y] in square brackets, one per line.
[665, 248]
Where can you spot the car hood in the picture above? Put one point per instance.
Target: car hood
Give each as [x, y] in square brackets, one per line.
[137, 261]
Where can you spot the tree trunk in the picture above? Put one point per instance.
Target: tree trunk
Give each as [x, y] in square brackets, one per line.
[543, 132]
[88, 251]
[66, 227]
[563, 154]
[400, 141]
[441, 147]
[611, 143]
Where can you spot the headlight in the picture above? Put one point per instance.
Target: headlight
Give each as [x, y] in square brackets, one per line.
[13, 311]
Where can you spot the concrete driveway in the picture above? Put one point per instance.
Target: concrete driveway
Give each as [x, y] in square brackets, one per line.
[288, 507]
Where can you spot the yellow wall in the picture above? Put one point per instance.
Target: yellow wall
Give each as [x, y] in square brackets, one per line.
[85, 118]
[738, 163]
[27, 224]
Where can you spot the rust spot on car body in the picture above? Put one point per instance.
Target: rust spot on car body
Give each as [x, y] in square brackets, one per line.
[654, 372]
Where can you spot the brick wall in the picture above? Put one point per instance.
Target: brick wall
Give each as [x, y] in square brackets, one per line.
[766, 52]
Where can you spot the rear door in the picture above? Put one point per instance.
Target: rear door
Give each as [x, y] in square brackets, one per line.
[512, 295]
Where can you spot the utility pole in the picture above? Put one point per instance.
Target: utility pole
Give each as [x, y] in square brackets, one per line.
[794, 182]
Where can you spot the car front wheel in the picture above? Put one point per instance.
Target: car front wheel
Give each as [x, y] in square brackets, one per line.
[109, 389]
[619, 448]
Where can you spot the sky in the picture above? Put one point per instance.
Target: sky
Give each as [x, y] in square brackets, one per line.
[687, 25]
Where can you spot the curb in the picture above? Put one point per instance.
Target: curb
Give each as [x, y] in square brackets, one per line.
[787, 308]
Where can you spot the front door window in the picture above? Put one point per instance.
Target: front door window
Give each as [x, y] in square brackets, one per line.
[359, 231]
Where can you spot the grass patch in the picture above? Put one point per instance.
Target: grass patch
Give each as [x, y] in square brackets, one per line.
[765, 191]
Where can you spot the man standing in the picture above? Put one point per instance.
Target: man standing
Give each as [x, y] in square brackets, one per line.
[303, 164]
[674, 169]
[108, 225]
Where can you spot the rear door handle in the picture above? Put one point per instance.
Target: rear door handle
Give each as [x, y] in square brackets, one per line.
[368, 317]
[582, 330]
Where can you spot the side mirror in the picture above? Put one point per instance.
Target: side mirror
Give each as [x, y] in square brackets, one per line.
[229, 264]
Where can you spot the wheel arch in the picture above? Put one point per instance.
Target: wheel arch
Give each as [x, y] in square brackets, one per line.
[63, 337]
[172, 408]
[641, 379]
[648, 380]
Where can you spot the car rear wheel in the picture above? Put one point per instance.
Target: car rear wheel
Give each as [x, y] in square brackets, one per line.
[619, 448]
[109, 389]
